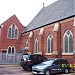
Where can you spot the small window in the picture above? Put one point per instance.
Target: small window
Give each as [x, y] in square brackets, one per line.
[40, 58]
[9, 50]
[62, 61]
[12, 50]
[16, 33]
[13, 31]
[56, 62]
[33, 57]
[9, 32]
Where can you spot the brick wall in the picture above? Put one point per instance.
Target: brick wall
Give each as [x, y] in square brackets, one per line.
[57, 37]
[21, 41]
[5, 42]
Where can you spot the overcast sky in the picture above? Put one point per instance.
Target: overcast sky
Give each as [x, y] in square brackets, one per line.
[25, 10]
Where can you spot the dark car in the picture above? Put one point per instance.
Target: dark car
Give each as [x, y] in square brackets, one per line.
[55, 65]
[24, 57]
[29, 60]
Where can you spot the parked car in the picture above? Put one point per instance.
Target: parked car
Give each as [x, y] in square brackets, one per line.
[24, 57]
[53, 65]
[29, 60]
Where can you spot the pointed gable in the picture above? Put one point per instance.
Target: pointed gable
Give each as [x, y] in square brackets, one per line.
[7, 26]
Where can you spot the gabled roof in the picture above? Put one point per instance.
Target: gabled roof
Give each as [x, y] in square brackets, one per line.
[57, 11]
[11, 18]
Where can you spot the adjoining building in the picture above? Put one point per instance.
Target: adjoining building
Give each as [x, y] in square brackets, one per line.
[51, 32]
[10, 40]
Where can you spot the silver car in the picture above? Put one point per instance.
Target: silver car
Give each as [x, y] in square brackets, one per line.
[55, 65]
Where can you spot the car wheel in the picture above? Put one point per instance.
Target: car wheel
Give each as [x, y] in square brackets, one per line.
[47, 72]
[66, 70]
[30, 69]
[24, 68]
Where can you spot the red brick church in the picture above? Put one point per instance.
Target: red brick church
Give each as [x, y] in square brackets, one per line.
[51, 32]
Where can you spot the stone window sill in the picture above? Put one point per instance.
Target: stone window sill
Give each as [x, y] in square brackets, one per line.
[67, 53]
[48, 53]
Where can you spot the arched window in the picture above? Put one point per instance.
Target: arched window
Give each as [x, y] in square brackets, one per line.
[9, 32]
[27, 43]
[11, 50]
[36, 45]
[68, 42]
[13, 32]
[16, 33]
[50, 44]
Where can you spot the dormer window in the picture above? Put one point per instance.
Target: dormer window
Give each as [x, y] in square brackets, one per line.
[13, 32]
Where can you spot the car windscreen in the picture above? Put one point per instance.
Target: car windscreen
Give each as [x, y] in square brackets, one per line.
[33, 57]
[49, 62]
[26, 56]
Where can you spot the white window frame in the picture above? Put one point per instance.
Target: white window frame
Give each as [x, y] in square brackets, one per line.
[11, 54]
[17, 33]
[14, 49]
[67, 53]
[14, 32]
[50, 44]
[8, 50]
[36, 41]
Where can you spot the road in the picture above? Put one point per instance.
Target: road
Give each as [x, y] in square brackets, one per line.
[17, 70]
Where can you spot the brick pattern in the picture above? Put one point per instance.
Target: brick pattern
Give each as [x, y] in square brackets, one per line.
[4, 41]
[21, 41]
[57, 39]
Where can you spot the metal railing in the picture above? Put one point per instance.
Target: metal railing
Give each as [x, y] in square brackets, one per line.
[10, 58]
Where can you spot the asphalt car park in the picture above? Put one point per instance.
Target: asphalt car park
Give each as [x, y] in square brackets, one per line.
[13, 70]
[17, 70]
